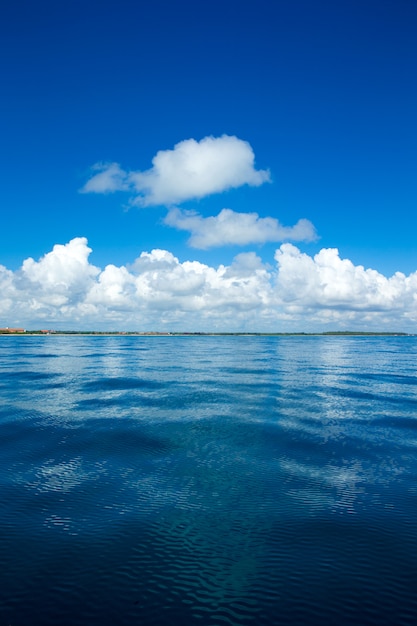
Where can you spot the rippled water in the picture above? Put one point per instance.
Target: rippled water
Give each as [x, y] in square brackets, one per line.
[208, 480]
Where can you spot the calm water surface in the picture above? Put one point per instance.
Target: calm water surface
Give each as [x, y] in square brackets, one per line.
[208, 480]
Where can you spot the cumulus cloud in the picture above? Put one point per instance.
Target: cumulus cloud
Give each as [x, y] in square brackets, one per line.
[61, 276]
[232, 228]
[326, 280]
[192, 169]
[158, 291]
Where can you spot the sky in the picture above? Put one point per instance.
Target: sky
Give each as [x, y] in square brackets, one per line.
[232, 165]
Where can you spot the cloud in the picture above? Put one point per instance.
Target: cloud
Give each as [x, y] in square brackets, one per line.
[326, 280]
[60, 280]
[65, 272]
[232, 228]
[158, 291]
[110, 178]
[192, 169]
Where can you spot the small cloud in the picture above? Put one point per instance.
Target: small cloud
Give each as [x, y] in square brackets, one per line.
[193, 169]
[239, 229]
[110, 178]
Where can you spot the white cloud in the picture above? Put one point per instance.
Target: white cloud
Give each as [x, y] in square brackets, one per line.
[326, 280]
[64, 274]
[7, 291]
[193, 169]
[232, 228]
[157, 291]
[110, 178]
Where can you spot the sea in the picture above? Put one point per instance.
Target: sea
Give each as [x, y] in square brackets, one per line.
[206, 480]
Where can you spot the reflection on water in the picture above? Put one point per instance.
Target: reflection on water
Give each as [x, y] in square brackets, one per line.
[240, 480]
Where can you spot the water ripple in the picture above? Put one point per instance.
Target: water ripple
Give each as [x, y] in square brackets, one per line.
[208, 481]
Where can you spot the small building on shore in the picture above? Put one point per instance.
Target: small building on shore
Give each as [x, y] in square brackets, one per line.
[11, 331]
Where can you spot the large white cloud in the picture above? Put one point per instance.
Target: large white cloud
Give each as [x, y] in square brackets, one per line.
[157, 291]
[192, 169]
[61, 276]
[232, 228]
[326, 280]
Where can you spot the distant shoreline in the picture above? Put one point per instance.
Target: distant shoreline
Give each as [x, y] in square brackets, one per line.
[79, 333]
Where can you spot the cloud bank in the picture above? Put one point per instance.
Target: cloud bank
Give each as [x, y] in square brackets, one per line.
[64, 290]
[191, 170]
[232, 228]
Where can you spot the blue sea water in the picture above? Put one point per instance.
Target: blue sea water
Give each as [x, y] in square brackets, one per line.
[208, 480]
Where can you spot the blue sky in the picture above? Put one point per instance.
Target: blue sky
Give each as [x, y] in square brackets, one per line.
[291, 111]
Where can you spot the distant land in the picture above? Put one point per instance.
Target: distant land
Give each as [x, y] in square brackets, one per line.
[22, 331]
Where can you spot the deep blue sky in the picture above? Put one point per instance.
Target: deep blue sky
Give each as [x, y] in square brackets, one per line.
[325, 93]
